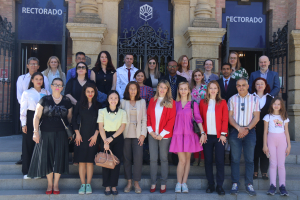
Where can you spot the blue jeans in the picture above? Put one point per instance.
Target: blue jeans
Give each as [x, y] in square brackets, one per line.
[236, 145]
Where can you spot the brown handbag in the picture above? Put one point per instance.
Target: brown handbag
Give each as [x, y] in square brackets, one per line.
[104, 159]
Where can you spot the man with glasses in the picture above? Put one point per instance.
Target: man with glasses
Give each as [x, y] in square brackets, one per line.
[243, 116]
[264, 72]
[173, 78]
[125, 74]
[24, 80]
[80, 57]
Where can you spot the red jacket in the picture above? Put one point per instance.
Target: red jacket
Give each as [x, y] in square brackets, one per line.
[221, 113]
[167, 119]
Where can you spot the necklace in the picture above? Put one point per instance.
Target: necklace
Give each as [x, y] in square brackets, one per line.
[56, 98]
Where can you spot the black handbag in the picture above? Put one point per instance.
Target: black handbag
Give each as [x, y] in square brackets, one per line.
[69, 128]
[196, 128]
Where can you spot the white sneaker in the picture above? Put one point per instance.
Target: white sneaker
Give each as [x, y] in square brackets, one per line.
[178, 188]
[184, 188]
[26, 177]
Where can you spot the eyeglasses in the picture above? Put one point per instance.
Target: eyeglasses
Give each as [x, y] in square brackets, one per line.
[33, 64]
[243, 106]
[174, 66]
[208, 64]
[152, 63]
[59, 86]
[81, 67]
[233, 58]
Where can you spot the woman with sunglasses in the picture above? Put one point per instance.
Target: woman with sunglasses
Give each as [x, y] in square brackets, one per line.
[75, 85]
[152, 73]
[51, 154]
[29, 100]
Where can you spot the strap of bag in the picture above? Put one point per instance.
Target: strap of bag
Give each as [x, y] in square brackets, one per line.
[63, 123]
[112, 156]
[192, 107]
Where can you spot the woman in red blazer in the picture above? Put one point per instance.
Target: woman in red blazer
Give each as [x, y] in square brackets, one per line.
[214, 112]
[161, 115]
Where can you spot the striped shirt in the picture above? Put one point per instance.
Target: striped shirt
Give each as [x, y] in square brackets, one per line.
[243, 108]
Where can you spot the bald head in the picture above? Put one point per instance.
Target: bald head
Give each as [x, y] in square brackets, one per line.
[264, 63]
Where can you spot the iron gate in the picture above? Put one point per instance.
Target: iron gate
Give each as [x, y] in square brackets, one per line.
[145, 43]
[225, 43]
[7, 45]
[278, 54]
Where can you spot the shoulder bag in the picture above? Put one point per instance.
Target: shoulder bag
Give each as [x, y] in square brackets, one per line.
[104, 159]
[196, 128]
[69, 128]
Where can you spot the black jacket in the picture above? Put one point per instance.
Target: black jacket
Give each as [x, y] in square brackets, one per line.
[179, 79]
[148, 81]
[231, 89]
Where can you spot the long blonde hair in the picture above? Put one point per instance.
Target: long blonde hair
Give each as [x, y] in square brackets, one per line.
[46, 72]
[193, 80]
[178, 98]
[168, 100]
[147, 69]
[238, 63]
[180, 63]
[218, 97]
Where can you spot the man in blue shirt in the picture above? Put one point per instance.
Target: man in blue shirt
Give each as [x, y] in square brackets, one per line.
[80, 57]
[264, 72]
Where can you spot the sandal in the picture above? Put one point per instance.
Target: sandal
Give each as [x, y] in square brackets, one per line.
[265, 176]
[255, 175]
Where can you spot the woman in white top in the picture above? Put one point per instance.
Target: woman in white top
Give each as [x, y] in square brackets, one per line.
[54, 71]
[29, 100]
[153, 75]
[161, 115]
[184, 68]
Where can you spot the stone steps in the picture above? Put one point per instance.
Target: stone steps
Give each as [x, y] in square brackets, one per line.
[146, 195]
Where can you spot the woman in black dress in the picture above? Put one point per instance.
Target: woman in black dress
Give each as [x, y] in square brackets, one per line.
[104, 73]
[261, 90]
[86, 128]
[75, 85]
[51, 153]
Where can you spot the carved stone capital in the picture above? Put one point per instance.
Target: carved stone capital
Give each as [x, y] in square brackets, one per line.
[203, 9]
[88, 6]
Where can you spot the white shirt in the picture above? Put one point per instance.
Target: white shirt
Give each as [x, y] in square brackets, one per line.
[56, 75]
[23, 83]
[158, 113]
[211, 118]
[262, 100]
[276, 124]
[224, 79]
[29, 100]
[154, 82]
[122, 78]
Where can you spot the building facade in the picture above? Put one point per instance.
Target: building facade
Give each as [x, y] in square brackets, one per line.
[167, 29]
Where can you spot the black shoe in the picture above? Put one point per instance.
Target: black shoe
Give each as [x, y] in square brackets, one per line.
[210, 189]
[107, 192]
[19, 162]
[115, 192]
[220, 190]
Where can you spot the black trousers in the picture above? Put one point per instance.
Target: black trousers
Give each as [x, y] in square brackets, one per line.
[259, 155]
[111, 176]
[133, 155]
[27, 143]
[208, 148]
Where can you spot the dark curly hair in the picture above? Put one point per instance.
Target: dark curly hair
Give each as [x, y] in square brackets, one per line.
[110, 66]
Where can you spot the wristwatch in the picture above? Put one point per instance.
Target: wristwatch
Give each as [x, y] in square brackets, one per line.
[223, 134]
[112, 136]
[202, 133]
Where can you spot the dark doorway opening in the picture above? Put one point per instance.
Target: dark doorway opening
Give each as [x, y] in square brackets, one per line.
[41, 51]
[249, 60]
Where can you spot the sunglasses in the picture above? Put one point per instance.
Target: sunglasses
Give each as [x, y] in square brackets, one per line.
[243, 106]
[152, 63]
[174, 66]
[81, 67]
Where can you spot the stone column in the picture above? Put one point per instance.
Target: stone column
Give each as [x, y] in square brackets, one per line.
[204, 37]
[87, 32]
[294, 85]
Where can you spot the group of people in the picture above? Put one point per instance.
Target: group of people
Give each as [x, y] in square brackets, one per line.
[116, 109]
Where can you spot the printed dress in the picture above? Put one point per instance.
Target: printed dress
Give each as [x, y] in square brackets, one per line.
[184, 139]
[199, 94]
[241, 73]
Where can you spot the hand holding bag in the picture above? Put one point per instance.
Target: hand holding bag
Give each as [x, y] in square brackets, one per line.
[196, 128]
[103, 159]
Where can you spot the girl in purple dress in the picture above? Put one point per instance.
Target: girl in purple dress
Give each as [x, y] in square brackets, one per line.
[184, 141]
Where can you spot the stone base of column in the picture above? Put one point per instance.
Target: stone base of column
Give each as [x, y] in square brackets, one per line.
[294, 117]
[205, 22]
[92, 18]
[204, 44]
[87, 38]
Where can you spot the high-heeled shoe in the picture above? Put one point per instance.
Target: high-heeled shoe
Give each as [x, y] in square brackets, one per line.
[56, 192]
[164, 190]
[153, 190]
[49, 192]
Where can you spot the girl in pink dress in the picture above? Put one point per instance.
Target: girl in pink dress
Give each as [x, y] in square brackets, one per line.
[184, 140]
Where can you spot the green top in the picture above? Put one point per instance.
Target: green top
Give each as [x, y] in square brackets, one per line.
[242, 72]
[113, 120]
